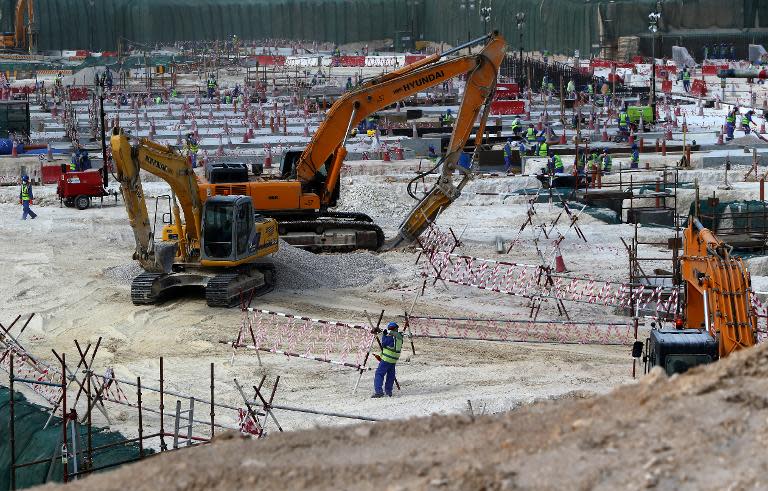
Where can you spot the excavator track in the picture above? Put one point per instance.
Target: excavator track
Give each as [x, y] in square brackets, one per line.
[226, 289]
[332, 235]
[142, 289]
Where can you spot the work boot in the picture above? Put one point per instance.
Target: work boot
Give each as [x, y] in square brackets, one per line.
[376, 396]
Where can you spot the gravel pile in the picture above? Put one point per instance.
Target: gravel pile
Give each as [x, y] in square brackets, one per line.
[124, 273]
[298, 269]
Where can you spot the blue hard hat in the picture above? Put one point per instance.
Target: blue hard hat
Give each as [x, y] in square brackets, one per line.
[449, 111]
[25, 178]
[509, 140]
[634, 146]
[392, 325]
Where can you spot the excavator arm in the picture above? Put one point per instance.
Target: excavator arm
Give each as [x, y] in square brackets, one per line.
[327, 145]
[169, 165]
[718, 290]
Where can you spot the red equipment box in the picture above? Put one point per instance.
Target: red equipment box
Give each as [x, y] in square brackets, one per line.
[77, 188]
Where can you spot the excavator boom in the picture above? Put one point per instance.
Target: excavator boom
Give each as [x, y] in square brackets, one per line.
[718, 290]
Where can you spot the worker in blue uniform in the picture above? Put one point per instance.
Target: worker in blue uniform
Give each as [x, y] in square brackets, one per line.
[26, 198]
[391, 346]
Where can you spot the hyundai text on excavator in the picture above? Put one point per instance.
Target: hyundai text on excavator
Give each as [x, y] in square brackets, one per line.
[308, 184]
[220, 244]
[718, 318]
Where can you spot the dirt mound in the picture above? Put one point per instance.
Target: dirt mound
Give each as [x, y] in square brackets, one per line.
[703, 430]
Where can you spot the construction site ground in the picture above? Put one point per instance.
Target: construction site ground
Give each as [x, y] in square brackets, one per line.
[702, 430]
[73, 268]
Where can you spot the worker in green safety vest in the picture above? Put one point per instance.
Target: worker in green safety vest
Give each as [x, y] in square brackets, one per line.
[607, 162]
[686, 79]
[530, 134]
[391, 346]
[543, 149]
[557, 164]
[25, 198]
[516, 126]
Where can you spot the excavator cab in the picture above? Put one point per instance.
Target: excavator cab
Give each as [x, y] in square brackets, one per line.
[232, 234]
[677, 350]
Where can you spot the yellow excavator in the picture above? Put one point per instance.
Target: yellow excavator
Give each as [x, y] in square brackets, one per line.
[308, 184]
[220, 245]
[718, 318]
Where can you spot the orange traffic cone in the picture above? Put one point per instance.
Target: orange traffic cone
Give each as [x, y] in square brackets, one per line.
[245, 136]
[563, 140]
[220, 149]
[604, 136]
[386, 158]
[268, 157]
[14, 150]
[559, 262]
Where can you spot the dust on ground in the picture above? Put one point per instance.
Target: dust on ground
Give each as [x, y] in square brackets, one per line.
[703, 430]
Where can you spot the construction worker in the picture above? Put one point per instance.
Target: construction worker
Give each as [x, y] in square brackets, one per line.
[634, 161]
[606, 161]
[432, 153]
[530, 133]
[571, 89]
[579, 163]
[557, 163]
[211, 87]
[26, 198]
[516, 126]
[190, 149]
[508, 155]
[746, 121]
[391, 346]
[624, 120]
[174, 93]
[448, 118]
[349, 83]
[686, 79]
[730, 122]
[543, 149]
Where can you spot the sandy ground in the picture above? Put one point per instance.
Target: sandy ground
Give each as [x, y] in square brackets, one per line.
[704, 430]
[66, 267]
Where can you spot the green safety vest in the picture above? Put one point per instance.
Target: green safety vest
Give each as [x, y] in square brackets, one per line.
[507, 151]
[25, 192]
[174, 93]
[731, 118]
[744, 121]
[515, 124]
[530, 135]
[623, 119]
[590, 89]
[559, 167]
[543, 149]
[686, 75]
[158, 100]
[392, 354]
[211, 84]
[72, 166]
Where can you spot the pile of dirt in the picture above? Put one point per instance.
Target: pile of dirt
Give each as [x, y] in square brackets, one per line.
[703, 430]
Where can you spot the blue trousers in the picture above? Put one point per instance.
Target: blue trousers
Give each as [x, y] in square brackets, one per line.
[729, 127]
[384, 370]
[27, 210]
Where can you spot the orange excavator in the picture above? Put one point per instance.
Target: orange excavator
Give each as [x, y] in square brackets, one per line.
[24, 35]
[718, 319]
[308, 185]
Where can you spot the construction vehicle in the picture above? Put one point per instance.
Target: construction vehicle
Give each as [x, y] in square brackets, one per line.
[220, 245]
[308, 184]
[718, 318]
[24, 35]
